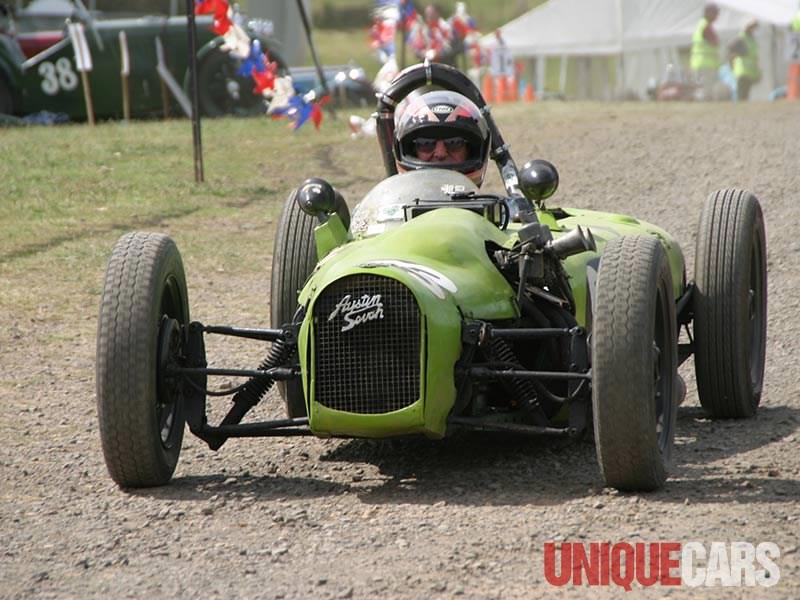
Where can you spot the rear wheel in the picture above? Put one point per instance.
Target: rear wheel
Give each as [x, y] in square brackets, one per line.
[293, 260]
[6, 100]
[224, 91]
[730, 304]
[144, 315]
[634, 364]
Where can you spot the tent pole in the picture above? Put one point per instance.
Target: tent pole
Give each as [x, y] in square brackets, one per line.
[621, 62]
[541, 73]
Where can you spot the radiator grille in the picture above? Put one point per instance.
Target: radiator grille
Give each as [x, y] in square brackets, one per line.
[367, 345]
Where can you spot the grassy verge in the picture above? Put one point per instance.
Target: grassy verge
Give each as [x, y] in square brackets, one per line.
[67, 182]
[69, 192]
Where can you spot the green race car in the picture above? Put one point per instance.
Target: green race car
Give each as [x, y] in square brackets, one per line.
[436, 307]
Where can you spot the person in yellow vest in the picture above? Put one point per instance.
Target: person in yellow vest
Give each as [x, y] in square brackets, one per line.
[793, 83]
[744, 51]
[704, 60]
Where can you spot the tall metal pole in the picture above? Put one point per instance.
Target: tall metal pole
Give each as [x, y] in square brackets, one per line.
[196, 137]
[320, 73]
[402, 63]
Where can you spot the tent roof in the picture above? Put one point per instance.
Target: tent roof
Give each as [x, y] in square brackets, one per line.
[773, 12]
[604, 27]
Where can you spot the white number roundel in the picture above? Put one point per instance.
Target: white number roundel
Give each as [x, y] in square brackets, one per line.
[58, 76]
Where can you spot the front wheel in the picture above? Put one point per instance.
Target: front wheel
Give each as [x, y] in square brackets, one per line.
[634, 364]
[730, 304]
[144, 316]
[293, 259]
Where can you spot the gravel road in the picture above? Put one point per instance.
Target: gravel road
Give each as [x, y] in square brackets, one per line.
[468, 517]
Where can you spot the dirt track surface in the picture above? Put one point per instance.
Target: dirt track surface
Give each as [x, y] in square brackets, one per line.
[467, 517]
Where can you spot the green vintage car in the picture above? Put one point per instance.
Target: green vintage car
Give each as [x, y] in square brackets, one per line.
[435, 308]
[50, 81]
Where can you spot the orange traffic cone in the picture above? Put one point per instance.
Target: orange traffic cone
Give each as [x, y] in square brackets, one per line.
[513, 88]
[530, 94]
[488, 89]
[501, 94]
[793, 85]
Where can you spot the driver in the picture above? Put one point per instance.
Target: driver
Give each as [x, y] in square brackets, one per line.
[443, 130]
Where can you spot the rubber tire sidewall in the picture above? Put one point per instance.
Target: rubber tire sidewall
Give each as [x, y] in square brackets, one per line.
[249, 103]
[212, 72]
[294, 258]
[6, 97]
[138, 271]
[634, 273]
[730, 230]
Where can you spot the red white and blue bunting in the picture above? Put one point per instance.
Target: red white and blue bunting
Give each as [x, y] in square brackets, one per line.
[278, 90]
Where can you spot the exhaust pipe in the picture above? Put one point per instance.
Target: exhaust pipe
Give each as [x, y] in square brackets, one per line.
[575, 242]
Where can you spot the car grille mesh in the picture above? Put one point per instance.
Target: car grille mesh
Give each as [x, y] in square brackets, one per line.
[367, 345]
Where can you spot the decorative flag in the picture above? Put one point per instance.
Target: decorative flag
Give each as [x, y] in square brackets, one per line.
[300, 109]
[255, 63]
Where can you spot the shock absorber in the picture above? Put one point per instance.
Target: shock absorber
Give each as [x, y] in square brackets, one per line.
[256, 387]
[523, 389]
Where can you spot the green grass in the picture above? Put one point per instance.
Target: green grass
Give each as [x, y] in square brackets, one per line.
[340, 47]
[69, 192]
[66, 182]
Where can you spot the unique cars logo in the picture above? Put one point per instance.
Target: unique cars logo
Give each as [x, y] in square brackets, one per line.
[357, 311]
[628, 565]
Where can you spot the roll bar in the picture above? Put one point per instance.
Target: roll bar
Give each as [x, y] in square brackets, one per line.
[447, 77]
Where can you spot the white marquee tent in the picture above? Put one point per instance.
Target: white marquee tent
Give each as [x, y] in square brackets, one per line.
[643, 35]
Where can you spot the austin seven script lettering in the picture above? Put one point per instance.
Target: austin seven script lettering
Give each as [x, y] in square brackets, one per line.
[358, 311]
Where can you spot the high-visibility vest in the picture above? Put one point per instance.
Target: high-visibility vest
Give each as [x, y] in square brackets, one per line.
[747, 65]
[704, 55]
[796, 22]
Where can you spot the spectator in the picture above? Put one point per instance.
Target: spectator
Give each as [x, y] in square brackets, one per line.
[465, 33]
[704, 61]
[744, 52]
[431, 37]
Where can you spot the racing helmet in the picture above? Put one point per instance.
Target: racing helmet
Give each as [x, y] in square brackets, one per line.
[444, 115]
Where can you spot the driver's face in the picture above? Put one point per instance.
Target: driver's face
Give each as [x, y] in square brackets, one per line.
[448, 150]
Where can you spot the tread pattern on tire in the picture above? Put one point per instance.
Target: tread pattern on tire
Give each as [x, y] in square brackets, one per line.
[293, 260]
[631, 270]
[126, 361]
[728, 224]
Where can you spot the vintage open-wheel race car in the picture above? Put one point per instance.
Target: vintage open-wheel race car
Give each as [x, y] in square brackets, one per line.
[436, 307]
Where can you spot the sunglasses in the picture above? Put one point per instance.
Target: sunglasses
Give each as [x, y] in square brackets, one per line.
[428, 145]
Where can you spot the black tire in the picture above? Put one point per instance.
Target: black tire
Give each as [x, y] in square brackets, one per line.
[144, 301]
[223, 91]
[293, 260]
[6, 99]
[634, 364]
[730, 304]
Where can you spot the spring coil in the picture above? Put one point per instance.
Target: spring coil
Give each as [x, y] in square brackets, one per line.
[257, 387]
[523, 389]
